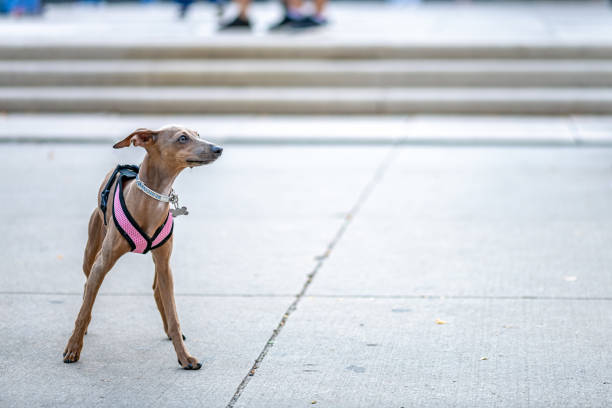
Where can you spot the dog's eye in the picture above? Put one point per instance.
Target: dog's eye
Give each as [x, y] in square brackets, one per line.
[182, 139]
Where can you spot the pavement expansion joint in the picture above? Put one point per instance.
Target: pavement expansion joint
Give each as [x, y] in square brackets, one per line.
[363, 196]
[462, 297]
[147, 294]
[322, 296]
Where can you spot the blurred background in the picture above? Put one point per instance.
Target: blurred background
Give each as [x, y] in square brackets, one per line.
[386, 59]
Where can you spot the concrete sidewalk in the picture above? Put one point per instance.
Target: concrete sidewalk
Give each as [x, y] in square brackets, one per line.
[354, 276]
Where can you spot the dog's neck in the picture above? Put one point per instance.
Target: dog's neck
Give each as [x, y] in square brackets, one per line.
[156, 177]
[148, 212]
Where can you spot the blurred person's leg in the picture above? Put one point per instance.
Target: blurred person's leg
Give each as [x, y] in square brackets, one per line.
[291, 14]
[184, 7]
[220, 7]
[242, 19]
[320, 6]
[317, 19]
[243, 8]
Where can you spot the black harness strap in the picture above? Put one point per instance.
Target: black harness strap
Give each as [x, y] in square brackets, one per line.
[127, 170]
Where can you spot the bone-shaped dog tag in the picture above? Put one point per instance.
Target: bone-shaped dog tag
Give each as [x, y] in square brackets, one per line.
[179, 211]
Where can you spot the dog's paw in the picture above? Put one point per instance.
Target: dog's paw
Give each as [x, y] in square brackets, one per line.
[191, 363]
[72, 353]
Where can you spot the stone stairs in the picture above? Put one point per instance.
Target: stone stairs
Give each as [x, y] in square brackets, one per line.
[307, 79]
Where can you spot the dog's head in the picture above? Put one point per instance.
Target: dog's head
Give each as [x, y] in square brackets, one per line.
[176, 146]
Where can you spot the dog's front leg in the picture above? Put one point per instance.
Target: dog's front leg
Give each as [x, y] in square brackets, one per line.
[165, 285]
[103, 263]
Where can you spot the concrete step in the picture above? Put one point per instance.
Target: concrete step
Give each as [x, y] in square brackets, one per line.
[340, 129]
[355, 101]
[318, 48]
[320, 73]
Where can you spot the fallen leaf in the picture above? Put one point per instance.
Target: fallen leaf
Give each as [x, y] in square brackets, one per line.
[313, 402]
[438, 321]
[484, 358]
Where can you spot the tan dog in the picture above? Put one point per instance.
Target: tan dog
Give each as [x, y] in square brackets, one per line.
[169, 150]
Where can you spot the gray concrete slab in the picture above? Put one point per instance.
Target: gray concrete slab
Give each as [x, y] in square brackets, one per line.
[264, 129]
[237, 129]
[126, 359]
[592, 130]
[480, 222]
[391, 353]
[490, 130]
[252, 227]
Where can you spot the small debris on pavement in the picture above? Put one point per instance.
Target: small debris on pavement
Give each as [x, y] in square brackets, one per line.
[570, 278]
[323, 256]
[356, 369]
[484, 358]
[439, 321]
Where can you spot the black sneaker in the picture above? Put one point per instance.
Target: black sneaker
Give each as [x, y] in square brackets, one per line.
[308, 22]
[285, 22]
[236, 23]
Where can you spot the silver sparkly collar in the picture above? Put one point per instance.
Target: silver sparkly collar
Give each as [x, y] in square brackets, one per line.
[154, 194]
[172, 198]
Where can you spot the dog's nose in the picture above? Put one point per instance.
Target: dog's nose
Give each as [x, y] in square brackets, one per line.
[217, 149]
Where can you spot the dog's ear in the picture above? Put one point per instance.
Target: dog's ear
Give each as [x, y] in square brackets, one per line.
[139, 137]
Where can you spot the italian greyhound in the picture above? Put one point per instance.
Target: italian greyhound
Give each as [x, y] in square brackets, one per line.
[133, 215]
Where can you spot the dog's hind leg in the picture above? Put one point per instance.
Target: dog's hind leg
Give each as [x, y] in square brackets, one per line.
[105, 260]
[160, 305]
[95, 236]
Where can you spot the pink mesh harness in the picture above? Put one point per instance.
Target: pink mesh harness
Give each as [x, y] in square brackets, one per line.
[125, 223]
